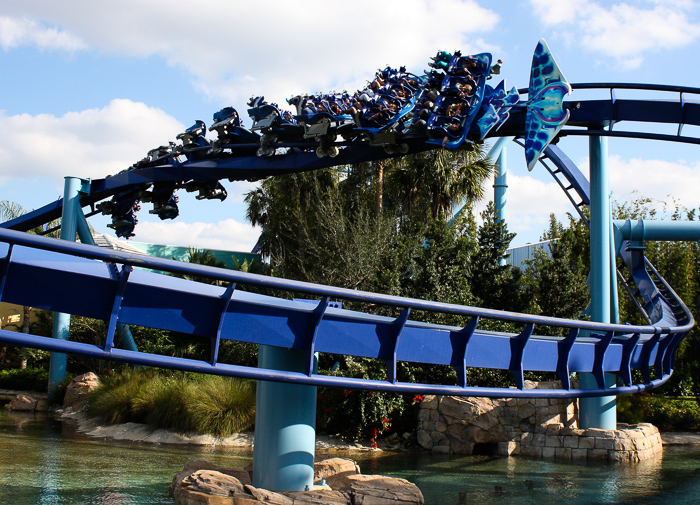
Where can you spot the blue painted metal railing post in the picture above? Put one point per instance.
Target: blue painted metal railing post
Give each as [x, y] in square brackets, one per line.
[61, 321]
[285, 425]
[599, 412]
[126, 338]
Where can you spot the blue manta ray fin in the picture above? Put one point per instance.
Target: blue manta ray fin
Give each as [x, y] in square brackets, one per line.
[545, 109]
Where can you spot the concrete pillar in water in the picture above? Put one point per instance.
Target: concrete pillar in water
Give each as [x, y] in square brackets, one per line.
[61, 322]
[285, 425]
[599, 412]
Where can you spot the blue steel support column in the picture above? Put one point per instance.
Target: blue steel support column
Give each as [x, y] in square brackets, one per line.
[599, 412]
[614, 302]
[61, 322]
[500, 185]
[285, 425]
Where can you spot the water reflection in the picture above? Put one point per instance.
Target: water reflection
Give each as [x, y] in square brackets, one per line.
[43, 461]
[490, 480]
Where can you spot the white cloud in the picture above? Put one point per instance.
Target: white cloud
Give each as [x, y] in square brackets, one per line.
[226, 235]
[87, 144]
[297, 47]
[657, 179]
[25, 32]
[530, 201]
[553, 12]
[627, 32]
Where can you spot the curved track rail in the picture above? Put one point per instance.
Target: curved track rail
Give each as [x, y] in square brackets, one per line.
[121, 294]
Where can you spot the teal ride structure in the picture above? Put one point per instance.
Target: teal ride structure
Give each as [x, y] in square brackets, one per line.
[452, 106]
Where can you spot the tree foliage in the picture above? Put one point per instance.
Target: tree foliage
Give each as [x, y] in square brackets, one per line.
[556, 275]
[327, 227]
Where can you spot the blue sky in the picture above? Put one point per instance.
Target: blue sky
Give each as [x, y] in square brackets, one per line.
[89, 87]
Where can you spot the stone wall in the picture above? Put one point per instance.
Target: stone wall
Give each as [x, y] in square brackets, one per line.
[630, 443]
[456, 424]
[536, 427]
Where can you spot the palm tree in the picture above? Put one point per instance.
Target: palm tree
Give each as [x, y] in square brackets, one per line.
[434, 181]
[201, 257]
[280, 202]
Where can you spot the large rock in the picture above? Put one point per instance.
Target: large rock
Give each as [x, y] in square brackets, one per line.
[76, 392]
[336, 472]
[212, 482]
[319, 497]
[195, 465]
[265, 496]
[379, 490]
[27, 403]
[477, 411]
[212, 487]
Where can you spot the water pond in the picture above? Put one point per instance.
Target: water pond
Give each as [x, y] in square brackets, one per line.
[42, 461]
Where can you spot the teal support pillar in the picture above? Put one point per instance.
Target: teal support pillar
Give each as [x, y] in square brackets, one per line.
[599, 412]
[126, 339]
[285, 425]
[61, 322]
[500, 185]
[499, 156]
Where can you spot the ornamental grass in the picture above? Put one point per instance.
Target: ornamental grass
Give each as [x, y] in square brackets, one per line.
[183, 402]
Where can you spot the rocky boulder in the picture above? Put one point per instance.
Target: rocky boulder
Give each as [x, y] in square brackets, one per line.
[265, 496]
[28, 403]
[379, 490]
[335, 471]
[77, 390]
[319, 497]
[196, 465]
[208, 487]
[197, 486]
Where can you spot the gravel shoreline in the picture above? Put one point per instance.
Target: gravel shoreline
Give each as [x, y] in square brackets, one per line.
[136, 432]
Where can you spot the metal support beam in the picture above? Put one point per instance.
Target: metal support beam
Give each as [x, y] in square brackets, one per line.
[126, 338]
[498, 155]
[285, 425]
[643, 229]
[500, 185]
[61, 321]
[599, 412]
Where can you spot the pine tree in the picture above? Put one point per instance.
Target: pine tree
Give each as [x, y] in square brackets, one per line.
[496, 284]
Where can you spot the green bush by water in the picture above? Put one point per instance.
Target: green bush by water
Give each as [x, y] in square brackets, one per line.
[667, 414]
[26, 379]
[182, 402]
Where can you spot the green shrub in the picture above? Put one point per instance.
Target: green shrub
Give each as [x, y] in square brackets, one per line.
[357, 414]
[114, 399]
[222, 406]
[27, 379]
[671, 414]
[664, 413]
[162, 403]
[177, 401]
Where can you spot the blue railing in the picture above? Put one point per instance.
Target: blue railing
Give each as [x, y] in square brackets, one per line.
[588, 346]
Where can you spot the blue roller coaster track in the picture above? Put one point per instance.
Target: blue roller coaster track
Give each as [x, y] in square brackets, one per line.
[89, 281]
